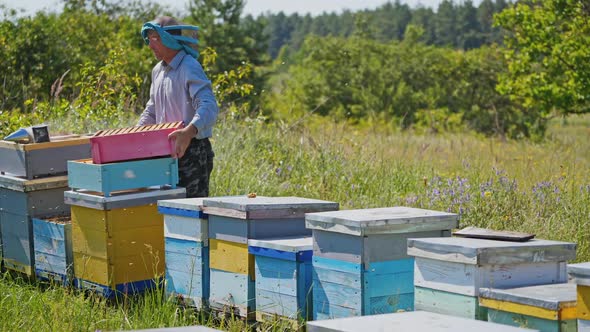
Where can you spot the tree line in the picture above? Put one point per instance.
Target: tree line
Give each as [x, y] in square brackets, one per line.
[88, 68]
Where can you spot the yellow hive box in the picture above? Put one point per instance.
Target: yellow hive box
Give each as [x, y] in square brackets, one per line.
[231, 257]
[118, 246]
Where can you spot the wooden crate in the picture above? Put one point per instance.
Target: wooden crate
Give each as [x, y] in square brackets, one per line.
[187, 271]
[462, 266]
[42, 159]
[407, 321]
[120, 248]
[240, 218]
[132, 143]
[20, 200]
[283, 276]
[550, 308]
[364, 252]
[53, 249]
[581, 274]
[106, 178]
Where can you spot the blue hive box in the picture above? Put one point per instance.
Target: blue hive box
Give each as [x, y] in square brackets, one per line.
[283, 277]
[187, 250]
[360, 263]
[53, 249]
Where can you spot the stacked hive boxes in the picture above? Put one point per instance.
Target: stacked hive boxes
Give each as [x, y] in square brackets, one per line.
[31, 188]
[187, 250]
[450, 271]
[235, 220]
[581, 274]
[548, 308]
[117, 232]
[283, 278]
[359, 258]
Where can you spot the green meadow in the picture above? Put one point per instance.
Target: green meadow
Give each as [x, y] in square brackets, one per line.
[541, 188]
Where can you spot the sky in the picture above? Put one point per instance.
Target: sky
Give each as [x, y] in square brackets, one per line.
[254, 7]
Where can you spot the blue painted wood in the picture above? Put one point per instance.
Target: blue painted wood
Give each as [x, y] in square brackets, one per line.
[447, 303]
[181, 212]
[40, 203]
[305, 293]
[279, 254]
[189, 281]
[240, 230]
[17, 238]
[51, 263]
[52, 276]
[232, 289]
[326, 311]
[284, 282]
[583, 325]
[136, 287]
[381, 287]
[530, 322]
[277, 303]
[126, 175]
[53, 250]
[185, 247]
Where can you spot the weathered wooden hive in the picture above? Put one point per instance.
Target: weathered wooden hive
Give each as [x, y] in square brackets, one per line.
[581, 274]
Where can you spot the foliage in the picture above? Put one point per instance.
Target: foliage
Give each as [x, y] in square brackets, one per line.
[407, 84]
[548, 55]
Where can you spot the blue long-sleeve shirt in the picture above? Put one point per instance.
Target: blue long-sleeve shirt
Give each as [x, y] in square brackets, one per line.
[181, 91]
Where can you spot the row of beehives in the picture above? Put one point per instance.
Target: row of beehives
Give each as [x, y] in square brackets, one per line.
[255, 256]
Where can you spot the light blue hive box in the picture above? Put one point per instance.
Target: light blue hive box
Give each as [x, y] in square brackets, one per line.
[450, 271]
[187, 250]
[283, 278]
[360, 263]
[20, 201]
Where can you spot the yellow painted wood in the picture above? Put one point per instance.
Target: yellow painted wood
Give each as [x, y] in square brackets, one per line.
[565, 313]
[282, 321]
[118, 246]
[583, 302]
[117, 219]
[231, 257]
[118, 271]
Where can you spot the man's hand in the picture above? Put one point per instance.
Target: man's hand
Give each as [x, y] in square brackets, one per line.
[182, 138]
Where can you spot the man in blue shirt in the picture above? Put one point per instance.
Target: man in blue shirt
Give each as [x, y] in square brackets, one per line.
[180, 91]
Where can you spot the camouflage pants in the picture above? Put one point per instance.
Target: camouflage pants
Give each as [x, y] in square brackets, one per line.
[194, 168]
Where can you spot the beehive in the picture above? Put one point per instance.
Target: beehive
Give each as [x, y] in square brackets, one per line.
[118, 249]
[450, 271]
[360, 261]
[581, 274]
[407, 321]
[42, 159]
[187, 250]
[548, 308]
[283, 278]
[53, 249]
[107, 178]
[235, 220]
[20, 201]
[132, 143]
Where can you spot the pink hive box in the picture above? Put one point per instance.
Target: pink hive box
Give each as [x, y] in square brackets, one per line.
[132, 143]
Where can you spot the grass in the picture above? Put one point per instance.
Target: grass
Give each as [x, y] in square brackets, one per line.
[543, 188]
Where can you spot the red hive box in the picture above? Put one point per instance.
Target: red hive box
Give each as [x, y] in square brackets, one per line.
[132, 143]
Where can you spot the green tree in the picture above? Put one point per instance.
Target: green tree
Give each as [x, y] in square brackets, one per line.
[548, 55]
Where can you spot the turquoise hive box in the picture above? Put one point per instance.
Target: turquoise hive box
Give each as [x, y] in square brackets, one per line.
[360, 265]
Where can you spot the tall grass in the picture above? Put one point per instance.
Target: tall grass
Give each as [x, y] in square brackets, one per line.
[542, 188]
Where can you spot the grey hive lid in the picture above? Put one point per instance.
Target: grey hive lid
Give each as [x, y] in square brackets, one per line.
[581, 273]
[265, 207]
[287, 244]
[122, 199]
[24, 185]
[381, 220]
[480, 251]
[407, 321]
[191, 204]
[552, 297]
